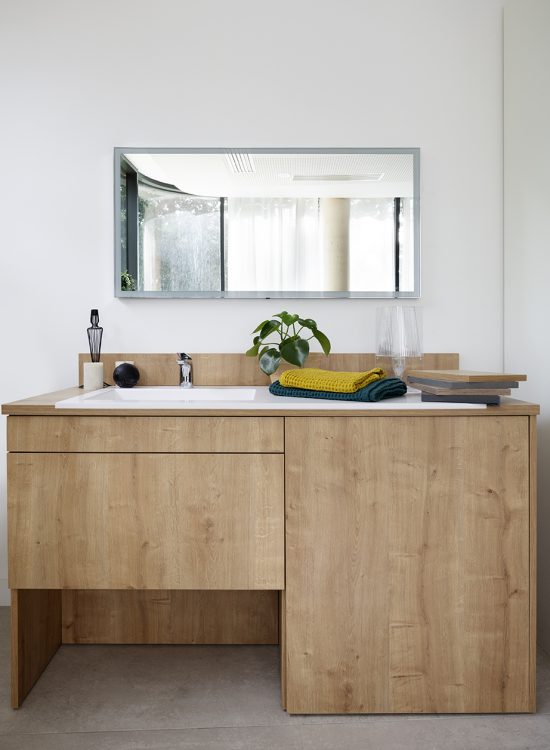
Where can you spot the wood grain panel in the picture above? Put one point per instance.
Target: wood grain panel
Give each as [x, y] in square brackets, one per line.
[222, 617]
[154, 369]
[407, 565]
[61, 434]
[533, 561]
[146, 521]
[238, 369]
[465, 376]
[282, 649]
[208, 369]
[35, 637]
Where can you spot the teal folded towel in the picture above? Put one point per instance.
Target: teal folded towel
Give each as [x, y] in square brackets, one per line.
[377, 391]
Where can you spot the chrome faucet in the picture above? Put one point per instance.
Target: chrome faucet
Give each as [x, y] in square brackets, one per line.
[186, 370]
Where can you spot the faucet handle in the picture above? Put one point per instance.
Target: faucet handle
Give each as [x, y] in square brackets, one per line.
[186, 370]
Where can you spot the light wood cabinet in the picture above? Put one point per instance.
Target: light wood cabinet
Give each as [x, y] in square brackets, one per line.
[402, 547]
[408, 565]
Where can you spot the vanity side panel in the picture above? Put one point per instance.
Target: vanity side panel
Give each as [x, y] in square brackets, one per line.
[282, 647]
[407, 565]
[533, 562]
[146, 521]
[92, 434]
[35, 637]
[198, 617]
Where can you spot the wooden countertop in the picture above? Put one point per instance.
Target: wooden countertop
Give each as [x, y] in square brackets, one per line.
[44, 405]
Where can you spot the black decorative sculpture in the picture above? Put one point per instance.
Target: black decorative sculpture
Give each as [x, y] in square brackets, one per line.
[95, 334]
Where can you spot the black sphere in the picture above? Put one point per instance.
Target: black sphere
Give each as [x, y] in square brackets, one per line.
[126, 375]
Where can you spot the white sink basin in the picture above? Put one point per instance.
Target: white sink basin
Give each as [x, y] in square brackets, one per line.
[160, 396]
[230, 397]
[169, 393]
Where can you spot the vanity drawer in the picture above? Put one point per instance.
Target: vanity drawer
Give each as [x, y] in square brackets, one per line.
[68, 434]
[146, 521]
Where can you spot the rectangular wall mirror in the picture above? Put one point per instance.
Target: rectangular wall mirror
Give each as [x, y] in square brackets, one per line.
[263, 223]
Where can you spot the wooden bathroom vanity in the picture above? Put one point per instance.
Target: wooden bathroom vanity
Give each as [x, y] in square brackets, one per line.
[390, 553]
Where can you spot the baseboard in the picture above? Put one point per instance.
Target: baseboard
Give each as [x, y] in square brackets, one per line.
[4, 593]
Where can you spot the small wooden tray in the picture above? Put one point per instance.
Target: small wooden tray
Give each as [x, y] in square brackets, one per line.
[465, 376]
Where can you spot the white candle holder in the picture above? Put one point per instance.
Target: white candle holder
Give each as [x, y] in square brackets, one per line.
[93, 376]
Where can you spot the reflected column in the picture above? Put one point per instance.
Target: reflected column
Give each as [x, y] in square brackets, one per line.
[334, 221]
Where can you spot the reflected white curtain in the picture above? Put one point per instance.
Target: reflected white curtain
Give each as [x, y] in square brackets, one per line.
[372, 258]
[273, 244]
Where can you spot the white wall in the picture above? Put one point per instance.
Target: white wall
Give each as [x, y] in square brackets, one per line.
[79, 78]
[527, 239]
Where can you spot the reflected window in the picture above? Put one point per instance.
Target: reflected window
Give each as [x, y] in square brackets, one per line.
[179, 241]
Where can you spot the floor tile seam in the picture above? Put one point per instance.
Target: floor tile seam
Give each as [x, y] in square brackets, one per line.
[292, 722]
[144, 730]
[367, 721]
[388, 720]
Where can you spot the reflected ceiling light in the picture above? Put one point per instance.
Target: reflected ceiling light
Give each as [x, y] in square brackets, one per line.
[374, 177]
[240, 163]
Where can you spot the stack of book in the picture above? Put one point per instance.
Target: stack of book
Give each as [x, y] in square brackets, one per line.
[463, 386]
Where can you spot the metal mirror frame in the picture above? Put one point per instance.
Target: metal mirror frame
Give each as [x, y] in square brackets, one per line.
[415, 294]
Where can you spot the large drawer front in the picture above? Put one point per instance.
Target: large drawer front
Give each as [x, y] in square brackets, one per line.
[146, 434]
[146, 521]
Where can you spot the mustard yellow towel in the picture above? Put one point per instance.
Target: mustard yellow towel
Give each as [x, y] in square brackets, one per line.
[313, 379]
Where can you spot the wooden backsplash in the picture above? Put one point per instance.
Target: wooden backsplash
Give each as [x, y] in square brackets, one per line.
[237, 369]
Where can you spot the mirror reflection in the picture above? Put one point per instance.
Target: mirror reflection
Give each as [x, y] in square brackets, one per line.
[267, 223]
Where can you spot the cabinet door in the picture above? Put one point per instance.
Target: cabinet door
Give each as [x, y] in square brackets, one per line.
[162, 521]
[407, 565]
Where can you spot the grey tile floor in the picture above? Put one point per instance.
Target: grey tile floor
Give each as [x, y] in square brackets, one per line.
[220, 698]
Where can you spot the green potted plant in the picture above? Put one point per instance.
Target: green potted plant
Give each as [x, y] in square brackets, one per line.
[291, 341]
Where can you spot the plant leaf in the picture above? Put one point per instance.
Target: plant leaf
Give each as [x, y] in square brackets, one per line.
[308, 323]
[289, 318]
[323, 340]
[280, 315]
[269, 327]
[287, 339]
[295, 351]
[269, 361]
[253, 351]
[258, 328]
